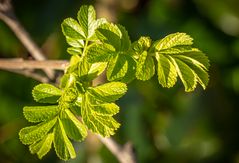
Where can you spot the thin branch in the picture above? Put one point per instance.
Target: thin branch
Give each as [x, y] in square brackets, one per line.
[20, 64]
[8, 16]
[31, 74]
[123, 154]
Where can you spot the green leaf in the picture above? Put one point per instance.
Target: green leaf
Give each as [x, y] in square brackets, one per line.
[68, 80]
[125, 40]
[199, 64]
[72, 29]
[176, 57]
[83, 69]
[186, 74]
[70, 94]
[99, 52]
[96, 69]
[172, 40]
[108, 109]
[109, 33]
[74, 51]
[120, 66]
[87, 19]
[63, 147]
[141, 45]
[88, 71]
[103, 124]
[46, 93]
[198, 58]
[117, 67]
[201, 75]
[73, 127]
[32, 134]
[179, 50]
[40, 113]
[42, 147]
[73, 66]
[190, 64]
[115, 35]
[145, 67]
[108, 92]
[167, 74]
[130, 74]
[76, 43]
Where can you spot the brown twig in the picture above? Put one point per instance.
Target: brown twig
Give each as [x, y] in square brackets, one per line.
[123, 154]
[7, 15]
[31, 74]
[20, 64]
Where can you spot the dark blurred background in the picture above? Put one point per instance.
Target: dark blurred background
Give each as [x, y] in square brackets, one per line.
[164, 125]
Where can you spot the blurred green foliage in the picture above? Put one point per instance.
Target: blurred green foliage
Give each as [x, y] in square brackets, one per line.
[164, 125]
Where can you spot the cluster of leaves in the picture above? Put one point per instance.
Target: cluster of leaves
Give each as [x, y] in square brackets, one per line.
[97, 45]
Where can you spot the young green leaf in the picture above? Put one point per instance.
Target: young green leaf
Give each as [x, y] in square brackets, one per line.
[76, 43]
[108, 92]
[145, 67]
[103, 124]
[130, 74]
[100, 53]
[83, 69]
[46, 93]
[125, 40]
[68, 80]
[176, 57]
[87, 19]
[96, 69]
[88, 71]
[109, 33]
[42, 147]
[186, 74]
[167, 74]
[63, 147]
[199, 65]
[141, 45]
[108, 109]
[172, 40]
[201, 75]
[73, 127]
[117, 67]
[40, 113]
[32, 134]
[74, 51]
[72, 29]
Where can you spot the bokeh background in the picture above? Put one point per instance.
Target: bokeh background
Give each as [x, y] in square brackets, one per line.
[164, 125]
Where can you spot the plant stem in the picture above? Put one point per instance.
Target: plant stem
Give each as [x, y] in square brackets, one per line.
[20, 64]
[7, 15]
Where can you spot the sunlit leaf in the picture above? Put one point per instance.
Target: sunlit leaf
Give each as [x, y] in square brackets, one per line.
[32, 134]
[172, 40]
[46, 93]
[145, 67]
[63, 147]
[40, 113]
[72, 29]
[103, 124]
[73, 127]
[109, 92]
[42, 147]
[117, 67]
[167, 74]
